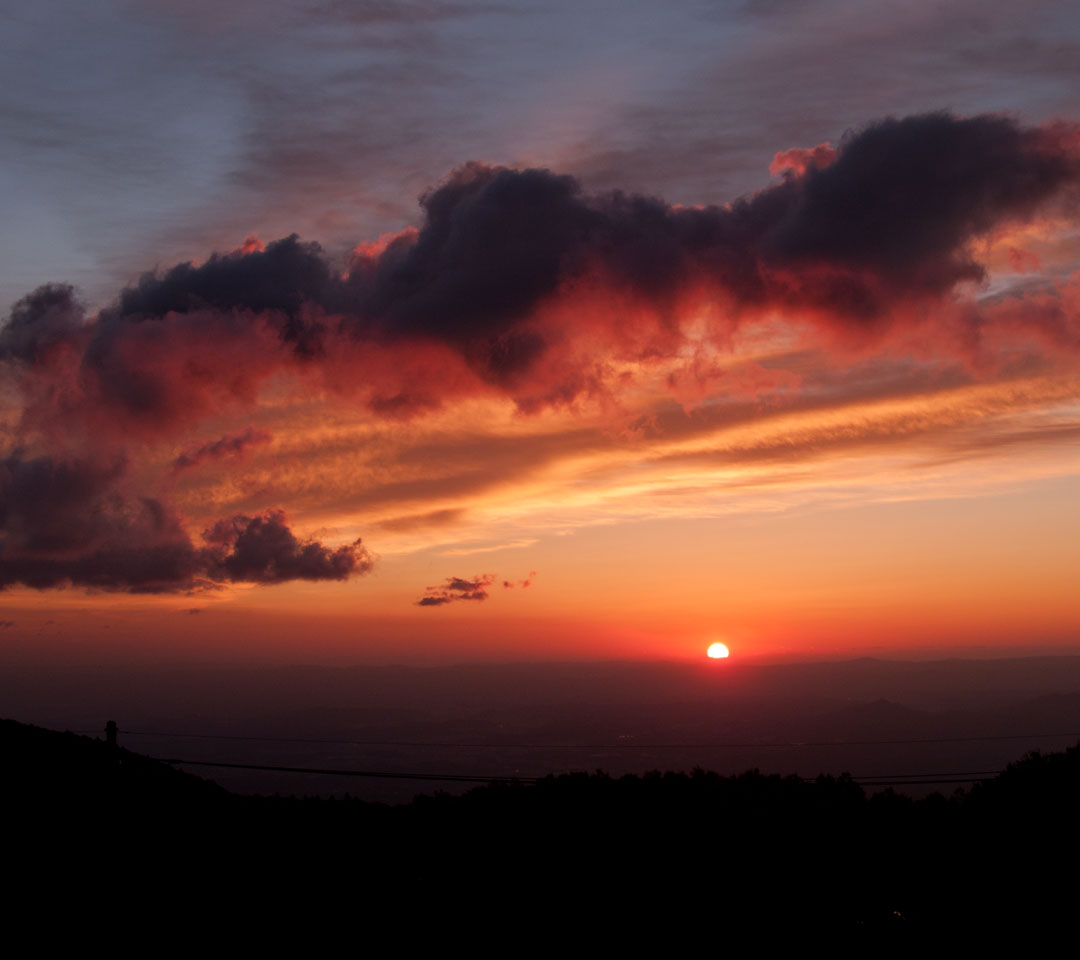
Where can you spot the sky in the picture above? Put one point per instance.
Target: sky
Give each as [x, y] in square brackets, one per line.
[434, 331]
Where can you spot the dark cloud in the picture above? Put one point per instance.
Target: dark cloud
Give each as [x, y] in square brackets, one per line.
[41, 322]
[890, 217]
[886, 218]
[51, 506]
[494, 242]
[278, 280]
[903, 198]
[454, 589]
[50, 536]
[157, 374]
[264, 550]
[232, 446]
[68, 521]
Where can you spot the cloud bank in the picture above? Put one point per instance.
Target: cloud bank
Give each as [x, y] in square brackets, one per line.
[65, 522]
[522, 286]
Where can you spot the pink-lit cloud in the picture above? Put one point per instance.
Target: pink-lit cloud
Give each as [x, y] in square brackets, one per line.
[518, 287]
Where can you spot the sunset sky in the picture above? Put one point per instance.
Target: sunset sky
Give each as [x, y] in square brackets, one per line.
[432, 331]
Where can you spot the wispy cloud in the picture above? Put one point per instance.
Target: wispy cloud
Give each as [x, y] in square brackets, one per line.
[510, 545]
[233, 446]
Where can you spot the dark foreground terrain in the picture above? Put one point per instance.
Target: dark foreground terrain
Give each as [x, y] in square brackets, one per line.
[102, 842]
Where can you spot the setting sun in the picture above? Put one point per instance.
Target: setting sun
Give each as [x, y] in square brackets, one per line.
[718, 651]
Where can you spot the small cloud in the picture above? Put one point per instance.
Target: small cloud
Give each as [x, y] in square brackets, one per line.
[798, 160]
[193, 610]
[457, 588]
[5, 624]
[251, 244]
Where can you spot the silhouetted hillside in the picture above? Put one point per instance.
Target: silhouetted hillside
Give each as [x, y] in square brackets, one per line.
[615, 855]
[47, 767]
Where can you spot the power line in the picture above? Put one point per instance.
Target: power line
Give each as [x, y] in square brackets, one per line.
[898, 777]
[915, 783]
[902, 779]
[908, 779]
[380, 774]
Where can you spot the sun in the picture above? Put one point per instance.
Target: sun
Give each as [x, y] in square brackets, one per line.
[718, 651]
